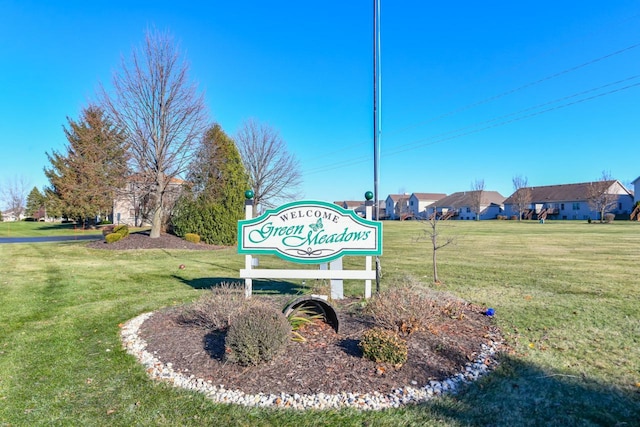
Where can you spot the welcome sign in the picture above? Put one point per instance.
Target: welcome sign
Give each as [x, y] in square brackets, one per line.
[310, 232]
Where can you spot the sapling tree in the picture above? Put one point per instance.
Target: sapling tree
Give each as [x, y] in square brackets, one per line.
[477, 190]
[522, 194]
[600, 197]
[437, 241]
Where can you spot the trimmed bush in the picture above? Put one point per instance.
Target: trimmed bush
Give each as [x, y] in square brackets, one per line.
[256, 335]
[609, 217]
[112, 237]
[121, 229]
[192, 237]
[383, 345]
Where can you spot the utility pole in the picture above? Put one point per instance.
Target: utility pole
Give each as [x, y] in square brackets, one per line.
[376, 119]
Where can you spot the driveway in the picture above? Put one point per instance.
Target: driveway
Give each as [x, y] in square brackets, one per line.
[43, 239]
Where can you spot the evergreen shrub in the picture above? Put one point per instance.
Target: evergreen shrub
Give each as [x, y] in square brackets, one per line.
[121, 229]
[256, 335]
[383, 345]
[112, 237]
[192, 237]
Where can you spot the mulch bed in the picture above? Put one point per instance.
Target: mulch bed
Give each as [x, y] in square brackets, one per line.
[141, 240]
[328, 362]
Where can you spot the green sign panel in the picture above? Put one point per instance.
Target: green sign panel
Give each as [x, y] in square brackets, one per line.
[310, 232]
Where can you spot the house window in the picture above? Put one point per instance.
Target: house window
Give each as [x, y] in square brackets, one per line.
[619, 206]
[562, 206]
[468, 210]
[576, 206]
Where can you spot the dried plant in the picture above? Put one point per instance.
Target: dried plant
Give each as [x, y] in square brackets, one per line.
[216, 309]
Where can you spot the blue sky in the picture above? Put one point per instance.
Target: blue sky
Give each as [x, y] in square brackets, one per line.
[470, 90]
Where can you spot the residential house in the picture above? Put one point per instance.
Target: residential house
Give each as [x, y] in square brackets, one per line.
[10, 215]
[418, 203]
[132, 205]
[355, 205]
[397, 206]
[461, 205]
[570, 201]
[359, 207]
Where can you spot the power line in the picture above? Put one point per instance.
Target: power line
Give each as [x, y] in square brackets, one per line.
[519, 88]
[441, 138]
[485, 100]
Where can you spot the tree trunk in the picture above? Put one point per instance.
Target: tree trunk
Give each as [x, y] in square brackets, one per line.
[435, 267]
[156, 221]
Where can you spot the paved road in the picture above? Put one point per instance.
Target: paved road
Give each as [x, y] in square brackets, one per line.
[42, 239]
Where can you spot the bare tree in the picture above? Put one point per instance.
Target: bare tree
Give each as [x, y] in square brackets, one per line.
[522, 194]
[162, 114]
[599, 197]
[273, 172]
[477, 190]
[14, 194]
[437, 242]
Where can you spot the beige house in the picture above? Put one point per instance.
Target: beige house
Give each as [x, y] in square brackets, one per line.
[133, 203]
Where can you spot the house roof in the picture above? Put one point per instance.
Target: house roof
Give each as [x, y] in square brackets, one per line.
[397, 197]
[352, 204]
[429, 196]
[562, 192]
[465, 198]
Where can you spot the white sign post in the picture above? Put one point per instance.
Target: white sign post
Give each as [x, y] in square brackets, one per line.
[310, 232]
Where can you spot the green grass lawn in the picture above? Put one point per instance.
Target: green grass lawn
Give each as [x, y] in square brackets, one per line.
[36, 229]
[565, 295]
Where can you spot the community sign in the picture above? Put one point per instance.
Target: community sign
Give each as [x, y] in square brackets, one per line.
[310, 232]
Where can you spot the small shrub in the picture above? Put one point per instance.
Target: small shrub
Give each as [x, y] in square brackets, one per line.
[112, 237]
[408, 306]
[609, 217]
[215, 309]
[257, 334]
[383, 345]
[108, 229]
[121, 229]
[192, 237]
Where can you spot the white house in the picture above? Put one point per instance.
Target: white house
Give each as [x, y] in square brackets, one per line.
[570, 201]
[461, 205]
[397, 206]
[418, 203]
[10, 215]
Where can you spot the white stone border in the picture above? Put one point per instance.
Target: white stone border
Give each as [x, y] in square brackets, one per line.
[136, 346]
